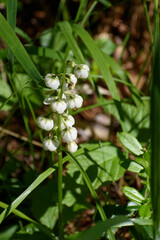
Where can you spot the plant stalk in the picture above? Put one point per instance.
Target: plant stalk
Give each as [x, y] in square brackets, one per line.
[60, 193]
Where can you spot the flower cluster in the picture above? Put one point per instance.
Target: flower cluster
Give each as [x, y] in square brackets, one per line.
[62, 99]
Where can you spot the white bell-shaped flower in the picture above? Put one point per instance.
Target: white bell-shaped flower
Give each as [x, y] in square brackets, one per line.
[45, 123]
[50, 145]
[72, 147]
[69, 134]
[48, 100]
[52, 81]
[67, 121]
[81, 71]
[58, 106]
[72, 78]
[75, 102]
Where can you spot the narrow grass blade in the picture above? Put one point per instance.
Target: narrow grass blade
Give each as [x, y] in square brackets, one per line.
[12, 41]
[25, 217]
[67, 32]
[155, 125]
[91, 189]
[21, 197]
[11, 6]
[101, 62]
[80, 12]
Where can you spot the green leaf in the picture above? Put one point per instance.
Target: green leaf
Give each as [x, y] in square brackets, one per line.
[100, 228]
[133, 194]
[8, 232]
[10, 38]
[144, 211]
[101, 62]
[5, 92]
[130, 143]
[101, 165]
[67, 32]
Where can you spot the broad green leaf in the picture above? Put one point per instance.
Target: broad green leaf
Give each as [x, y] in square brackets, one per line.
[8, 232]
[30, 89]
[44, 206]
[144, 211]
[25, 217]
[137, 119]
[100, 228]
[130, 143]
[101, 165]
[92, 191]
[14, 44]
[5, 92]
[135, 167]
[67, 32]
[133, 194]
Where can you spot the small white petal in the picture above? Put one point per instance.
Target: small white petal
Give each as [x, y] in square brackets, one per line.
[49, 100]
[81, 71]
[72, 147]
[72, 78]
[69, 135]
[52, 81]
[45, 123]
[71, 104]
[50, 145]
[59, 106]
[67, 122]
[78, 101]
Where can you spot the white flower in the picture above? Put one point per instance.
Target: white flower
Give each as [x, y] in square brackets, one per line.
[45, 123]
[75, 101]
[72, 147]
[52, 81]
[81, 71]
[69, 135]
[72, 78]
[50, 145]
[67, 121]
[49, 100]
[58, 106]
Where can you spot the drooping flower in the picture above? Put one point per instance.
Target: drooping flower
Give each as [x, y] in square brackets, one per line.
[58, 106]
[67, 121]
[71, 147]
[69, 134]
[45, 123]
[81, 71]
[50, 145]
[72, 78]
[52, 81]
[75, 101]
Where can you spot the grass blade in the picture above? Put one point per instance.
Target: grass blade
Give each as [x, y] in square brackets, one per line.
[12, 41]
[25, 217]
[91, 189]
[155, 125]
[67, 32]
[101, 62]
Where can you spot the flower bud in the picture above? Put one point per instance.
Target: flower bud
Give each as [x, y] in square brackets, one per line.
[81, 71]
[59, 106]
[48, 100]
[52, 81]
[72, 78]
[45, 123]
[69, 135]
[71, 147]
[67, 121]
[50, 145]
[70, 63]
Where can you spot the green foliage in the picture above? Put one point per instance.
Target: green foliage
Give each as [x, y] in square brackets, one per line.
[28, 175]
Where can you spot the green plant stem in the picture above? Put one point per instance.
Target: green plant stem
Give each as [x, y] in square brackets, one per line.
[60, 193]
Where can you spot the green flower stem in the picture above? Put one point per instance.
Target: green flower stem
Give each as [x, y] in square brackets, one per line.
[60, 194]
